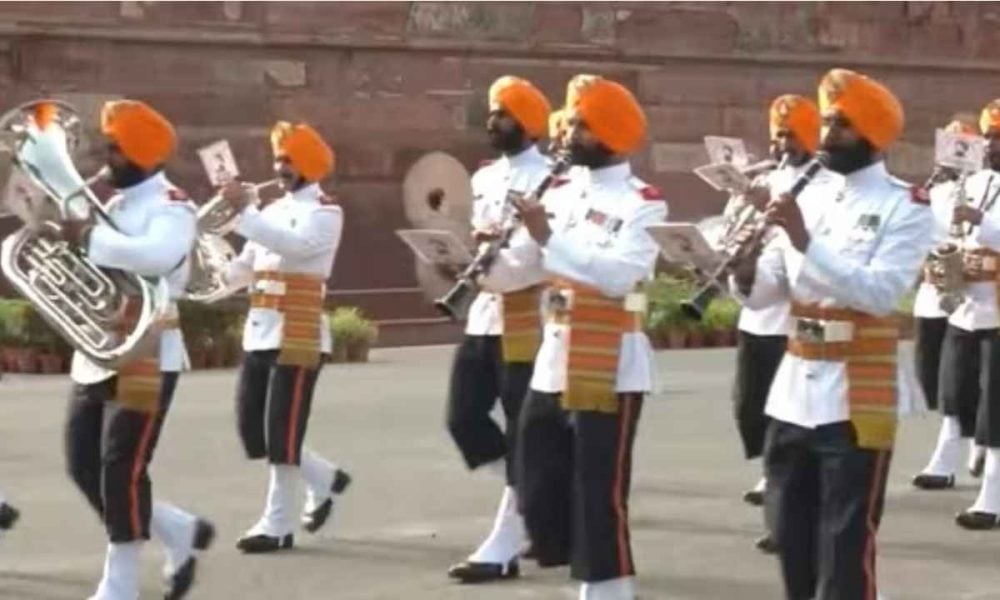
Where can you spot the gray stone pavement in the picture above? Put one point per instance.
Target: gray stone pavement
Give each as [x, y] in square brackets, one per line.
[413, 508]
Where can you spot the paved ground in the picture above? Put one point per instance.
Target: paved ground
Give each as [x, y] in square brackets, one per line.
[413, 508]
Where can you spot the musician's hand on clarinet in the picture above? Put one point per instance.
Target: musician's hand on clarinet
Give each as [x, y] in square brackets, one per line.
[535, 219]
[964, 213]
[784, 211]
[744, 269]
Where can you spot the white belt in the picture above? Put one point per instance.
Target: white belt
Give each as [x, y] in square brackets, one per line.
[270, 287]
[818, 331]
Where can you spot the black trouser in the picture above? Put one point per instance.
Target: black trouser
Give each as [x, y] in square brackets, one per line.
[575, 471]
[927, 355]
[825, 498]
[478, 377]
[273, 403]
[970, 382]
[757, 360]
[108, 450]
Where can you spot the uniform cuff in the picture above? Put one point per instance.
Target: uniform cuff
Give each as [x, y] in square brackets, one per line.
[246, 220]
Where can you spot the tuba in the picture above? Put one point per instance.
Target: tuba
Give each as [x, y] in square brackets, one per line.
[84, 303]
[212, 253]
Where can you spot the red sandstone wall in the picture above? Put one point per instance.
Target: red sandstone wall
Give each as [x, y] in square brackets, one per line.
[387, 82]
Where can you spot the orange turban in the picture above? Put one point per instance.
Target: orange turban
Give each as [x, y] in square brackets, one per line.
[144, 136]
[874, 112]
[990, 117]
[612, 114]
[304, 148]
[799, 115]
[523, 101]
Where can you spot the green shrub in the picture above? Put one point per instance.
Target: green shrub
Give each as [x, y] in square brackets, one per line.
[349, 326]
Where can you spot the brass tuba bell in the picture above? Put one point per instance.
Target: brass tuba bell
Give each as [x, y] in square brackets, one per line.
[84, 303]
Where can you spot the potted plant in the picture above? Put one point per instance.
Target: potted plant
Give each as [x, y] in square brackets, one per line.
[720, 321]
[352, 333]
[667, 323]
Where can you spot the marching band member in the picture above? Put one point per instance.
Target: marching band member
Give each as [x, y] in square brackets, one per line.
[970, 355]
[932, 323]
[794, 127]
[833, 402]
[594, 366]
[287, 259]
[115, 418]
[495, 358]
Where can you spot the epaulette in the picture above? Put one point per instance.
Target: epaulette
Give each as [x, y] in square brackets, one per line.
[919, 195]
[177, 195]
[326, 200]
[648, 192]
[486, 162]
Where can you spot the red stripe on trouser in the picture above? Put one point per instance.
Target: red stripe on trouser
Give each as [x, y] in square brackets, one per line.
[293, 414]
[871, 589]
[617, 490]
[138, 463]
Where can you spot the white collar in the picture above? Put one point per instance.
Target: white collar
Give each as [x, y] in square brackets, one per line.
[145, 187]
[867, 175]
[531, 154]
[307, 193]
[609, 175]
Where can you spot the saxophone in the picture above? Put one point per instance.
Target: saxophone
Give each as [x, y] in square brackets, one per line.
[945, 264]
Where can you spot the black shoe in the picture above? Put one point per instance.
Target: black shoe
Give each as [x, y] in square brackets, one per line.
[926, 481]
[314, 520]
[260, 543]
[8, 516]
[204, 535]
[978, 465]
[754, 498]
[976, 520]
[179, 584]
[766, 544]
[477, 572]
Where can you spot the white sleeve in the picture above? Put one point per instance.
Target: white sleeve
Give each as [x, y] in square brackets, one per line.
[616, 269]
[239, 272]
[319, 234]
[158, 251]
[517, 267]
[988, 233]
[770, 284]
[877, 286]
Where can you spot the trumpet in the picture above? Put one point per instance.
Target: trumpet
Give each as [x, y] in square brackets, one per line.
[455, 303]
[216, 216]
[212, 253]
[696, 305]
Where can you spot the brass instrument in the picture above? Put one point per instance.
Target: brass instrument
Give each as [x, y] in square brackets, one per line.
[455, 304]
[83, 302]
[212, 253]
[695, 306]
[946, 263]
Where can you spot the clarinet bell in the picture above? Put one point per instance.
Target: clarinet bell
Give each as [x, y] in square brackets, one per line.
[694, 308]
[455, 304]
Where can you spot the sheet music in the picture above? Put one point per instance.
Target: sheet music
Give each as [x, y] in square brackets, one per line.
[437, 247]
[219, 163]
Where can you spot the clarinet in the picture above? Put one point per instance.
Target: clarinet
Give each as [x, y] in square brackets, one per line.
[455, 303]
[696, 305]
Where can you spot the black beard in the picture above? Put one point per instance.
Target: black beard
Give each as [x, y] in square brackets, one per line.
[799, 158]
[848, 159]
[592, 157]
[507, 142]
[127, 176]
[294, 183]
